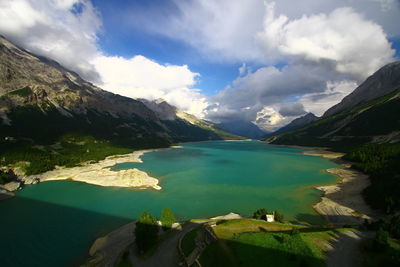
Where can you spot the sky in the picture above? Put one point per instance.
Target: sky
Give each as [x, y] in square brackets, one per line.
[266, 62]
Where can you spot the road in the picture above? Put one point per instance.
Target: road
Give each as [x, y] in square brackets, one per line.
[167, 254]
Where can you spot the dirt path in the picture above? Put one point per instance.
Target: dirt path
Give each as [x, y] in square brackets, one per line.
[167, 254]
[344, 252]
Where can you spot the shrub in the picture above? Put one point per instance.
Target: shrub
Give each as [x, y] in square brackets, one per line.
[167, 218]
[260, 214]
[279, 217]
[381, 240]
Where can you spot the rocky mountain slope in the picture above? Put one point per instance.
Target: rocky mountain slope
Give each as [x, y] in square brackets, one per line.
[295, 124]
[370, 114]
[170, 115]
[382, 82]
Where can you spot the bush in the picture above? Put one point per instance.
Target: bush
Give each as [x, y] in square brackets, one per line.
[279, 217]
[6, 177]
[394, 227]
[146, 232]
[260, 214]
[295, 231]
[381, 240]
[167, 218]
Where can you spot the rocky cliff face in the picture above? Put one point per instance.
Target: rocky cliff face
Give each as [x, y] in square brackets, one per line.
[382, 82]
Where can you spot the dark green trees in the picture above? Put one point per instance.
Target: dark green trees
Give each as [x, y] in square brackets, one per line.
[167, 218]
[146, 232]
[260, 214]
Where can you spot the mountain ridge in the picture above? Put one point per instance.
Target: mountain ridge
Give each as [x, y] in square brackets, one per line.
[376, 120]
[48, 115]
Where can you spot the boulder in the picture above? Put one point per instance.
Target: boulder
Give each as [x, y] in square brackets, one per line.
[12, 186]
[4, 194]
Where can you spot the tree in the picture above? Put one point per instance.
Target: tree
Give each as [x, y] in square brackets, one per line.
[279, 217]
[146, 232]
[260, 214]
[381, 241]
[167, 218]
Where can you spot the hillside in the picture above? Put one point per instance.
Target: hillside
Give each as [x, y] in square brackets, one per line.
[295, 124]
[49, 115]
[376, 120]
[242, 128]
[382, 82]
[170, 115]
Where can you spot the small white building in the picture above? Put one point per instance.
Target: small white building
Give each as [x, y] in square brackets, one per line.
[270, 217]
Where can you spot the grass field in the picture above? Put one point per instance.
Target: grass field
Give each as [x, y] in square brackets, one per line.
[249, 242]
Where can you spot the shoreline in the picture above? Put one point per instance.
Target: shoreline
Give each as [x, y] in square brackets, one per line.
[100, 173]
[342, 203]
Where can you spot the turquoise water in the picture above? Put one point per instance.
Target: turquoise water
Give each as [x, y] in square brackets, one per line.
[54, 223]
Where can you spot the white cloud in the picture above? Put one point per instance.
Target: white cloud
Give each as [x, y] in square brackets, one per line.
[350, 43]
[319, 102]
[50, 28]
[67, 31]
[269, 119]
[222, 30]
[140, 77]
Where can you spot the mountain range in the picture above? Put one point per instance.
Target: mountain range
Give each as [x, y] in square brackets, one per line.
[371, 113]
[41, 101]
[50, 116]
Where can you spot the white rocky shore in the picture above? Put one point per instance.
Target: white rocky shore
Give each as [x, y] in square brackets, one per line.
[342, 203]
[100, 173]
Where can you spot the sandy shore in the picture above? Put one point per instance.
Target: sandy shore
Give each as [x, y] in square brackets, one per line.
[342, 203]
[101, 174]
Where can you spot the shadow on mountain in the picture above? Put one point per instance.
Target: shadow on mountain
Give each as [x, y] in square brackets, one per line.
[36, 233]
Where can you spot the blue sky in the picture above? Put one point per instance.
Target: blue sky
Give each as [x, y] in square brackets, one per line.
[259, 61]
[120, 38]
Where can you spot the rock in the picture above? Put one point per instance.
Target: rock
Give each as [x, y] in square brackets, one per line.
[12, 186]
[4, 194]
[176, 226]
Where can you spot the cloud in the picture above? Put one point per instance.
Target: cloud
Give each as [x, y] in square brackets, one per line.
[67, 31]
[269, 119]
[55, 29]
[265, 87]
[292, 109]
[221, 30]
[205, 26]
[343, 38]
[140, 77]
[334, 92]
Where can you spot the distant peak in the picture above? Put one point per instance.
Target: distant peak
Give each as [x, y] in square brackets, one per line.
[159, 101]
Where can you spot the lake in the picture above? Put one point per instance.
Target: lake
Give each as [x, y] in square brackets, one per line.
[54, 223]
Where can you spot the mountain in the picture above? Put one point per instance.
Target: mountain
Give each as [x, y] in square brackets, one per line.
[382, 82]
[42, 104]
[369, 114]
[295, 124]
[170, 115]
[242, 128]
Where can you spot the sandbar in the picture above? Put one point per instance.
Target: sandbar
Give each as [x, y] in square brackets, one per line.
[100, 173]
